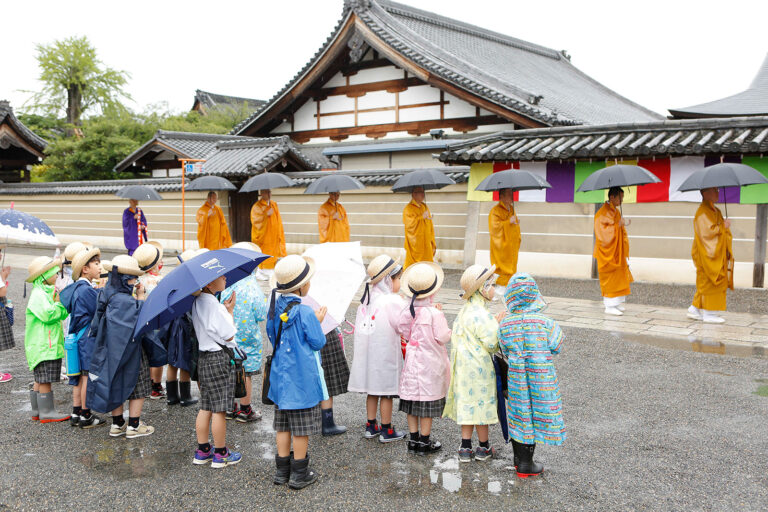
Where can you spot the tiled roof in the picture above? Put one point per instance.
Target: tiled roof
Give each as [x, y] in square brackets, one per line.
[30, 137]
[524, 78]
[384, 177]
[666, 138]
[87, 187]
[752, 102]
[212, 101]
[253, 155]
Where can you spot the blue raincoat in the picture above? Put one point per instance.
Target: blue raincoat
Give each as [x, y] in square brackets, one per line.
[178, 337]
[116, 359]
[296, 378]
[528, 340]
[250, 309]
[79, 298]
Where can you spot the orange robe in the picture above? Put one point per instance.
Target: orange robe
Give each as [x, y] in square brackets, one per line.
[212, 230]
[332, 230]
[505, 241]
[611, 252]
[712, 253]
[419, 233]
[267, 231]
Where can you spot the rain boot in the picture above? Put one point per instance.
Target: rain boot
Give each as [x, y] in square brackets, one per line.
[33, 402]
[301, 474]
[185, 391]
[527, 467]
[283, 471]
[48, 413]
[329, 426]
[172, 392]
[516, 449]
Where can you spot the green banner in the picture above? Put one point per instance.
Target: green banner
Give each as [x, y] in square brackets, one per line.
[755, 194]
[583, 170]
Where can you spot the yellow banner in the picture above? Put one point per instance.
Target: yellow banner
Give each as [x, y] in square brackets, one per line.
[477, 173]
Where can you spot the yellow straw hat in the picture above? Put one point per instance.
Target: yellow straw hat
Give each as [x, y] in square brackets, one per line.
[473, 279]
[191, 253]
[40, 266]
[125, 265]
[420, 281]
[71, 250]
[81, 259]
[250, 246]
[148, 255]
[292, 272]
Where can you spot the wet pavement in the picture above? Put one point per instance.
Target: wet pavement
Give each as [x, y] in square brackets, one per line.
[649, 427]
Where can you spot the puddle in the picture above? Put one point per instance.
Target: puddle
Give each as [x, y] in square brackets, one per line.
[267, 451]
[128, 462]
[706, 346]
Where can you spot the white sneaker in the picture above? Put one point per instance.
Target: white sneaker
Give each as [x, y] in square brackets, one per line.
[115, 431]
[713, 319]
[694, 313]
[621, 308]
[613, 311]
[142, 430]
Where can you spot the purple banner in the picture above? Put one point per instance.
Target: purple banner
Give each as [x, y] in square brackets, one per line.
[561, 176]
[730, 194]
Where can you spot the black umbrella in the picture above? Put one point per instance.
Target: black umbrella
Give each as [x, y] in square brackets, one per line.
[266, 181]
[333, 183]
[514, 179]
[723, 175]
[211, 183]
[139, 193]
[428, 179]
[618, 176]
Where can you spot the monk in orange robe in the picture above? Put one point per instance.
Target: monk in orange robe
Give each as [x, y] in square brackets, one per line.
[611, 253]
[212, 229]
[419, 231]
[504, 229]
[267, 230]
[712, 253]
[332, 220]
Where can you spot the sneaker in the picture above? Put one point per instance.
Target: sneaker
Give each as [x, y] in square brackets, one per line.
[157, 394]
[482, 453]
[372, 431]
[230, 415]
[413, 447]
[142, 430]
[93, 421]
[465, 454]
[694, 313]
[229, 458]
[389, 435]
[74, 420]
[613, 311]
[713, 319]
[117, 431]
[249, 417]
[202, 457]
[428, 447]
[621, 308]
[5, 377]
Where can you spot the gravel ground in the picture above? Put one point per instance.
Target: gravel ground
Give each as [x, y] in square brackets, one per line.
[649, 428]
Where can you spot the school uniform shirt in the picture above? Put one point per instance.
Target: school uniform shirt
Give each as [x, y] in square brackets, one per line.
[213, 324]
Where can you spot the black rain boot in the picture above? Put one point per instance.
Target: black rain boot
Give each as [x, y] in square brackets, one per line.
[329, 426]
[185, 390]
[527, 467]
[516, 449]
[283, 471]
[301, 474]
[172, 392]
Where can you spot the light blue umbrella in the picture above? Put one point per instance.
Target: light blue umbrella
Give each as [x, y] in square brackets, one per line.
[18, 226]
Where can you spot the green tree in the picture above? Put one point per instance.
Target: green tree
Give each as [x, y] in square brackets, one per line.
[75, 81]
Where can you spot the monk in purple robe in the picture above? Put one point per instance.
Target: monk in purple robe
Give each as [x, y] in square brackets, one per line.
[134, 226]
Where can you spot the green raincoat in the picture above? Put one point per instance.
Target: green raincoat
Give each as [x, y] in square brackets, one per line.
[471, 398]
[43, 334]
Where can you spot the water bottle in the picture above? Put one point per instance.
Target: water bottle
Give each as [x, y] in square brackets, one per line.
[73, 355]
[9, 310]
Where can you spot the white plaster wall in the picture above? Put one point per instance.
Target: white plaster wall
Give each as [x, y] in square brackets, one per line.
[419, 114]
[365, 76]
[376, 99]
[337, 121]
[457, 107]
[419, 94]
[304, 119]
[374, 118]
[283, 128]
[338, 80]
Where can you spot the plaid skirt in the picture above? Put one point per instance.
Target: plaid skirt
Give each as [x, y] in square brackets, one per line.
[299, 422]
[48, 371]
[334, 362]
[6, 331]
[143, 383]
[433, 409]
[217, 381]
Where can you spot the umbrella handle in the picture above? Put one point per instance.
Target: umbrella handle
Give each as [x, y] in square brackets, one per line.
[352, 326]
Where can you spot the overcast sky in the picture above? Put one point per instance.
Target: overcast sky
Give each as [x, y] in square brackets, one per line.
[659, 53]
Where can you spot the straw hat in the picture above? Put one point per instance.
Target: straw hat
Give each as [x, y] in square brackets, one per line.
[71, 250]
[473, 279]
[380, 267]
[81, 259]
[40, 266]
[148, 255]
[422, 280]
[191, 253]
[125, 265]
[249, 246]
[104, 265]
[292, 272]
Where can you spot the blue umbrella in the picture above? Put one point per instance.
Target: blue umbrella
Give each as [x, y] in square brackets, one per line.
[23, 227]
[173, 296]
[501, 368]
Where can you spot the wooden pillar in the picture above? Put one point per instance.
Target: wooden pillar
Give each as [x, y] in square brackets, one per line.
[761, 234]
[470, 235]
[594, 239]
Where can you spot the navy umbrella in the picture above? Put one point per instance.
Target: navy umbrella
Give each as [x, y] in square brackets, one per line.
[174, 295]
[23, 227]
[267, 181]
[618, 176]
[514, 179]
[501, 369]
[333, 183]
[723, 175]
[428, 179]
[211, 183]
[139, 193]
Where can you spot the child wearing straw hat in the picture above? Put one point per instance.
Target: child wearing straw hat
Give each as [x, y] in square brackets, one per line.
[296, 383]
[250, 309]
[79, 298]
[426, 373]
[110, 384]
[149, 255]
[471, 399]
[64, 278]
[7, 340]
[44, 337]
[378, 360]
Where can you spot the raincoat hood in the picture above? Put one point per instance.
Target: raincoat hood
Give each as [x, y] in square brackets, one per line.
[67, 295]
[280, 303]
[522, 295]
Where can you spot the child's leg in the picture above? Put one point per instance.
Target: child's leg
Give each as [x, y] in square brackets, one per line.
[300, 447]
[466, 435]
[44, 388]
[184, 375]
[83, 390]
[413, 426]
[425, 426]
[246, 400]
[386, 410]
[36, 387]
[156, 374]
[219, 429]
[482, 433]
[135, 407]
[202, 426]
[172, 372]
[283, 440]
[77, 400]
[371, 404]
[327, 404]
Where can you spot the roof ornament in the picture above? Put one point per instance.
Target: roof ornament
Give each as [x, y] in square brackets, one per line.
[356, 46]
[534, 99]
[358, 5]
[565, 54]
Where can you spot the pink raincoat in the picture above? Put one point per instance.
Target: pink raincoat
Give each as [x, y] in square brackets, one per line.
[427, 371]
